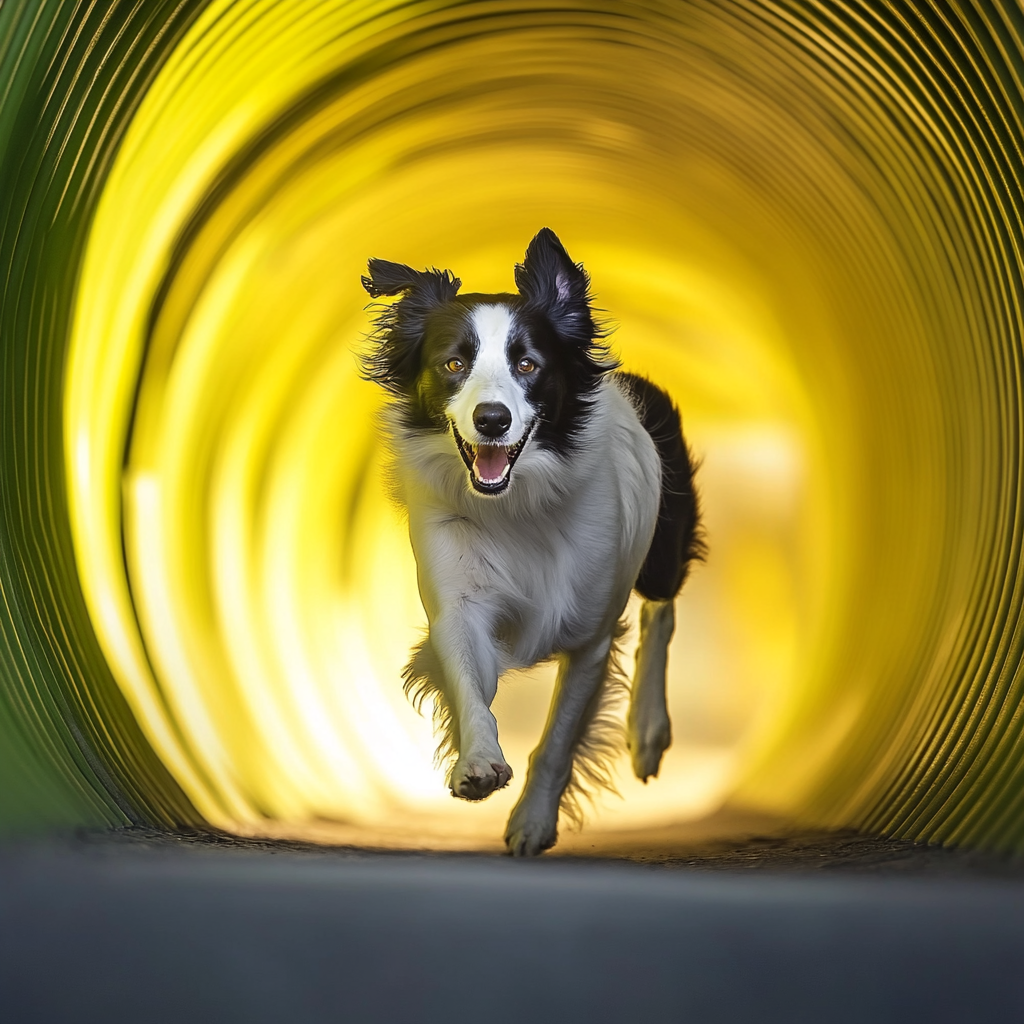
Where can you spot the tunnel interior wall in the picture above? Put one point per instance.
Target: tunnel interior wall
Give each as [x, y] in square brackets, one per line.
[806, 222]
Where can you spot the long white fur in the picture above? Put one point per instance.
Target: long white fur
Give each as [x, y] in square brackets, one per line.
[543, 570]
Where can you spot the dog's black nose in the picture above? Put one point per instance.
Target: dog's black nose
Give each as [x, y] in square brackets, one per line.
[492, 419]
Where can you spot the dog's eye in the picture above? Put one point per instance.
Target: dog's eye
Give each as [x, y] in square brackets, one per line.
[526, 365]
[455, 365]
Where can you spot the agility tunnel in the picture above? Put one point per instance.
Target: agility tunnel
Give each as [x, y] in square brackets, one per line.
[804, 221]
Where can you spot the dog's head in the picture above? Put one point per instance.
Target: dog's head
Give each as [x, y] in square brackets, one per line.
[502, 372]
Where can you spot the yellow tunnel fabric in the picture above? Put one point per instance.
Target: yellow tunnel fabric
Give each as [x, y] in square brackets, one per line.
[803, 220]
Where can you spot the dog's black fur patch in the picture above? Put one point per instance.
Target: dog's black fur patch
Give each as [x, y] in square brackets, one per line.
[555, 308]
[425, 312]
[678, 539]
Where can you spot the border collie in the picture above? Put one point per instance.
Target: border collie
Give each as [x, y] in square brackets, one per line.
[541, 486]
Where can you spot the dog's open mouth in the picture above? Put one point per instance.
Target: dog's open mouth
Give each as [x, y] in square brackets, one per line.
[490, 465]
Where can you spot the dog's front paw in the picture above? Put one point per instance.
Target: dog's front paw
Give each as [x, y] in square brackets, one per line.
[530, 834]
[648, 737]
[476, 778]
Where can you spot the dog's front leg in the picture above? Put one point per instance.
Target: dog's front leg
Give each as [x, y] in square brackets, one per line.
[462, 642]
[533, 824]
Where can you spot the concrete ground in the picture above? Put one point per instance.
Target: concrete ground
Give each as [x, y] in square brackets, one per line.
[818, 927]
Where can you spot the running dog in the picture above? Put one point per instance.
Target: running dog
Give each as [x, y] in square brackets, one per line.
[542, 486]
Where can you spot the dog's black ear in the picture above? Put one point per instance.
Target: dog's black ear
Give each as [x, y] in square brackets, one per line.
[550, 282]
[387, 278]
[393, 359]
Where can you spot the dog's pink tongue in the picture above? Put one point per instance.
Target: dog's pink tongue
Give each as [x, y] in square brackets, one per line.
[490, 461]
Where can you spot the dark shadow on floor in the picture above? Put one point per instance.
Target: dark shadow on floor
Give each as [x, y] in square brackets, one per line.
[727, 842]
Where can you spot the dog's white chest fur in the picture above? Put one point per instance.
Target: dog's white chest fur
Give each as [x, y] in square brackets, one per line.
[543, 567]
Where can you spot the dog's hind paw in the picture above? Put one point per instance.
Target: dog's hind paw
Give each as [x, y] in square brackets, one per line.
[647, 742]
[477, 778]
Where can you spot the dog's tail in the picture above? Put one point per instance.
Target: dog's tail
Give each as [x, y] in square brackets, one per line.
[422, 682]
[601, 740]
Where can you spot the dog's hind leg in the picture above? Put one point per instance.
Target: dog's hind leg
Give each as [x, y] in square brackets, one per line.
[533, 824]
[648, 729]
[677, 542]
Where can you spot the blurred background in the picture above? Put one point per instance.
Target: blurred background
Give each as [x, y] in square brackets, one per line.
[804, 221]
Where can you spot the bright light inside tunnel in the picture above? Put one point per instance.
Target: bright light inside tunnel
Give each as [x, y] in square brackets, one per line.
[251, 583]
